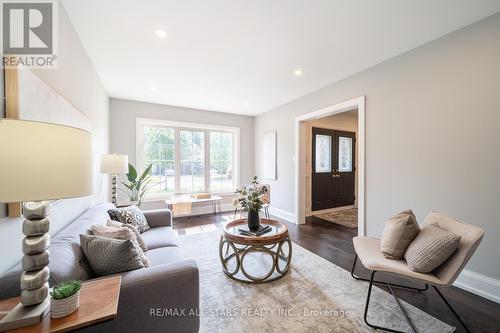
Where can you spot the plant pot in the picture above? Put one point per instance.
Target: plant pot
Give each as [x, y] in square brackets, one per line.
[253, 219]
[62, 307]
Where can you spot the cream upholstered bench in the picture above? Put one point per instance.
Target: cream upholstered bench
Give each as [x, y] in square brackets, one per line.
[368, 251]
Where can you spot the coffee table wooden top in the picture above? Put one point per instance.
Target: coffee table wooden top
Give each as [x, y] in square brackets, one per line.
[98, 303]
[279, 232]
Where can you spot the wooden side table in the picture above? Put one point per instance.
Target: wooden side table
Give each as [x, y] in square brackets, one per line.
[98, 303]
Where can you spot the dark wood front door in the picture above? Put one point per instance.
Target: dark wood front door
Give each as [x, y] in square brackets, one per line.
[333, 168]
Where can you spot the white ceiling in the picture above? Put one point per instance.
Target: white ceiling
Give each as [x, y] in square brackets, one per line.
[221, 54]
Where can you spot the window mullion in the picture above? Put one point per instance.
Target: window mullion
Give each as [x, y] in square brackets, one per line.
[207, 161]
[177, 160]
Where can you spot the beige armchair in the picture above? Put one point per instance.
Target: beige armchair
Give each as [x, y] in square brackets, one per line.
[368, 251]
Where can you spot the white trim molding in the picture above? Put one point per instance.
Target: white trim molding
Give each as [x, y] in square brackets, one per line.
[479, 284]
[282, 214]
[300, 185]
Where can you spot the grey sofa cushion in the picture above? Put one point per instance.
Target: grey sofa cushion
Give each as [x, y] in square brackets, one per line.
[9, 282]
[130, 215]
[108, 256]
[159, 237]
[164, 255]
[432, 247]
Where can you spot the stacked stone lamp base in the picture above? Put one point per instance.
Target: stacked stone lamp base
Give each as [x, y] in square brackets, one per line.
[35, 278]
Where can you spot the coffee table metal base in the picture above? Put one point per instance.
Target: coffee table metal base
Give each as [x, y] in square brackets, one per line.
[229, 250]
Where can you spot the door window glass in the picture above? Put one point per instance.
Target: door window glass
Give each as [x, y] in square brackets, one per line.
[345, 154]
[323, 153]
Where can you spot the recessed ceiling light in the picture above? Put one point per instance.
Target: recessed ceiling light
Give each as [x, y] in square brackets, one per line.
[153, 88]
[244, 104]
[298, 72]
[160, 33]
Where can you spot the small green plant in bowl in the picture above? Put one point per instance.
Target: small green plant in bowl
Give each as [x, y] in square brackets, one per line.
[65, 298]
[65, 289]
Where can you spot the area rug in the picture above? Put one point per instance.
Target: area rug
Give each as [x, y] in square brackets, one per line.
[315, 296]
[345, 217]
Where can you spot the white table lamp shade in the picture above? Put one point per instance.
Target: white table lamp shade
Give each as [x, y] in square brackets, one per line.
[114, 164]
[42, 161]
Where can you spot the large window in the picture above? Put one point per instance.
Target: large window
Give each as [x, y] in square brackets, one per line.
[187, 158]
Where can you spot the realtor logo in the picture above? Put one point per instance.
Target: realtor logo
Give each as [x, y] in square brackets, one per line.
[28, 33]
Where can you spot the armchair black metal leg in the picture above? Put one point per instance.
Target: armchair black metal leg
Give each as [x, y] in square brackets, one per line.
[451, 309]
[372, 281]
[382, 282]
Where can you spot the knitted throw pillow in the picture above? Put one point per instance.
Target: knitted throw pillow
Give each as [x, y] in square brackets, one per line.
[108, 256]
[432, 247]
[123, 232]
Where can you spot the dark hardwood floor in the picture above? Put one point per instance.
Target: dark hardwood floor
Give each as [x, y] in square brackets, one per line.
[334, 243]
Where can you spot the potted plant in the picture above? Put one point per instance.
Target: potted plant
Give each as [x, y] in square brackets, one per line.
[251, 198]
[137, 186]
[65, 298]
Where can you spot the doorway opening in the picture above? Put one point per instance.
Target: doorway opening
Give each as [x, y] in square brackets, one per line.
[330, 165]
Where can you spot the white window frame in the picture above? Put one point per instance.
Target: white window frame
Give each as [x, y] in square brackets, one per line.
[178, 126]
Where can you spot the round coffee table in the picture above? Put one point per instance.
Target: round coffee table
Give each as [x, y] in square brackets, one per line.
[234, 248]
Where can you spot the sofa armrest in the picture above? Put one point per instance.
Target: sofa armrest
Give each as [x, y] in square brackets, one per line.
[163, 298]
[158, 217]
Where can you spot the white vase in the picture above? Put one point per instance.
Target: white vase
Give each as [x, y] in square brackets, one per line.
[62, 307]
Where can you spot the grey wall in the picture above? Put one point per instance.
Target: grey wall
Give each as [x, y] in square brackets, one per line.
[76, 80]
[432, 124]
[123, 115]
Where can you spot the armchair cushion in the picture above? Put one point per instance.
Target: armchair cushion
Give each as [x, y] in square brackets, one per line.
[399, 232]
[431, 248]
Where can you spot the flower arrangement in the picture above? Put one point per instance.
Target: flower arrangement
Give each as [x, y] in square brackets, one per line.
[251, 198]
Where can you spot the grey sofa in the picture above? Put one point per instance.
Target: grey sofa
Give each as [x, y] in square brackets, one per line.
[171, 283]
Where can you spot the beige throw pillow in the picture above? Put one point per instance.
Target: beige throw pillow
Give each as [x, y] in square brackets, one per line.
[431, 248]
[399, 232]
[123, 233]
[117, 224]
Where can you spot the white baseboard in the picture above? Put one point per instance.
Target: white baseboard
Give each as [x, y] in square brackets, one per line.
[282, 214]
[479, 284]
